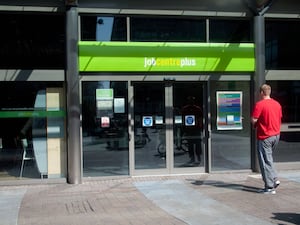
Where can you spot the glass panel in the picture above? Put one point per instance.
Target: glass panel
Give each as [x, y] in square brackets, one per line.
[105, 128]
[188, 124]
[230, 31]
[149, 126]
[102, 28]
[288, 149]
[32, 41]
[287, 93]
[27, 129]
[167, 29]
[231, 149]
[282, 44]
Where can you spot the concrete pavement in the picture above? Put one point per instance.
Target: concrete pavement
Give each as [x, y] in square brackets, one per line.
[223, 198]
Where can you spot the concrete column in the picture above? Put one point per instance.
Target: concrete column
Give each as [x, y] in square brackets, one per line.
[259, 76]
[73, 105]
[259, 40]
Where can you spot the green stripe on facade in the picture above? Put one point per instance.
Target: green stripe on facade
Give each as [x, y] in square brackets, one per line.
[38, 114]
[154, 56]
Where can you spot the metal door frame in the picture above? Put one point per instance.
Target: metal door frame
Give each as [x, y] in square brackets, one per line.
[170, 169]
[168, 80]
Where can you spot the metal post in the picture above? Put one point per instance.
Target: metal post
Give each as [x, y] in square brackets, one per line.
[73, 105]
[259, 76]
[259, 39]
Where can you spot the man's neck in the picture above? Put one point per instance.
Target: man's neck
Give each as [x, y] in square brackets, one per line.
[266, 97]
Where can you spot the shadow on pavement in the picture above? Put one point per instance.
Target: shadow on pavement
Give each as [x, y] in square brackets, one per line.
[221, 184]
[293, 218]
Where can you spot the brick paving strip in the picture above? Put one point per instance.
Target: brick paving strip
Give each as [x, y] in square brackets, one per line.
[105, 203]
[130, 201]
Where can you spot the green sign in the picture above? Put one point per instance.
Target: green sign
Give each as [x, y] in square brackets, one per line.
[156, 56]
[104, 94]
[25, 114]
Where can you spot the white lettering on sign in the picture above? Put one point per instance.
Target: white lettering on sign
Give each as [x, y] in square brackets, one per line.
[182, 62]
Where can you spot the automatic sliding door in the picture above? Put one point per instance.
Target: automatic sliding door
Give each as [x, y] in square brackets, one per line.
[149, 126]
[188, 125]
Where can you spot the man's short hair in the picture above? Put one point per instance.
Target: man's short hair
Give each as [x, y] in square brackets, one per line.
[266, 89]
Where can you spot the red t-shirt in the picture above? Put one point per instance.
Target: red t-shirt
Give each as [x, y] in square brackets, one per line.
[268, 113]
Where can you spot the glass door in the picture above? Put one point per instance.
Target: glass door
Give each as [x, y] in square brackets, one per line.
[149, 126]
[188, 124]
[168, 124]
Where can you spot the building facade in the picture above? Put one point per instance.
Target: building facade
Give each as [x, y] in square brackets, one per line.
[111, 89]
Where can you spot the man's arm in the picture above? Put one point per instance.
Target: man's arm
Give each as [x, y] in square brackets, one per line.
[253, 121]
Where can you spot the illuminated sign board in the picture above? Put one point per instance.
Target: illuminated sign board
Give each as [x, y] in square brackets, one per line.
[157, 56]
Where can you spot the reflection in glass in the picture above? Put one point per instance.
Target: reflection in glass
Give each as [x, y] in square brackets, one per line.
[287, 93]
[31, 41]
[230, 31]
[27, 125]
[230, 149]
[188, 125]
[167, 29]
[149, 126]
[105, 128]
[282, 44]
[94, 28]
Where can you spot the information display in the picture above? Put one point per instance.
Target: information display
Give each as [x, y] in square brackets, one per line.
[229, 110]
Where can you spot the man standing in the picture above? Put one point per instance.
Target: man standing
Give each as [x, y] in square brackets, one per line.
[266, 118]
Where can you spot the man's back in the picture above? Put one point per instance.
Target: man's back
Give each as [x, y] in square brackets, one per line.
[268, 113]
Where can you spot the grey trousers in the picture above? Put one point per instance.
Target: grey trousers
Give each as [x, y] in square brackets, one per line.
[265, 158]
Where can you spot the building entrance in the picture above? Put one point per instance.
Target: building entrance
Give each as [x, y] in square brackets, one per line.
[142, 128]
[168, 126]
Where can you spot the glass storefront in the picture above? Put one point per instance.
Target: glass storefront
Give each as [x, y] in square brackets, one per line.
[167, 127]
[287, 93]
[167, 135]
[282, 44]
[32, 130]
[230, 143]
[31, 41]
[167, 29]
[231, 31]
[161, 139]
[105, 128]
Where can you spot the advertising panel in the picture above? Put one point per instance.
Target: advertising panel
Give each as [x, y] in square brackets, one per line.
[229, 110]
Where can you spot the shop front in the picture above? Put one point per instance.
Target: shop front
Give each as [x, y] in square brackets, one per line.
[165, 108]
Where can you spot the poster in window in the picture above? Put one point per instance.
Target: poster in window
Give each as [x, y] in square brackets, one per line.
[104, 102]
[229, 110]
[119, 105]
